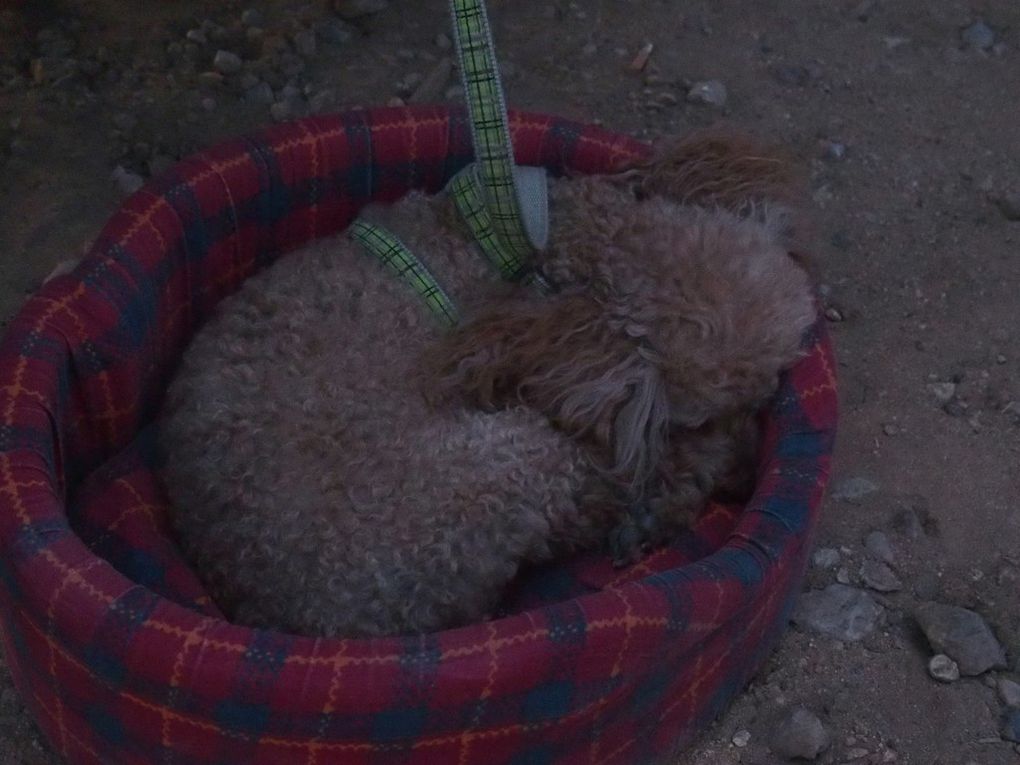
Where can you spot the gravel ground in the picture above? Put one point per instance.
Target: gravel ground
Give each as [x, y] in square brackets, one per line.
[905, 116]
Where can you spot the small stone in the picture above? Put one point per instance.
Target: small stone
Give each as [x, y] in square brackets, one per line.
[322, 101]
[1009, 692]
[1008, 204]
[833, 314]
[825, 557]
[443, 41]
[396, 101]
[845, 613]
[281, 111]
[853, 489]
[261, 94]
[955, 407]
[857, 753]
[334, 31]
[356, 9]
[834, 150]
[304, 42]
[943, 391]
[127, 181]
[1010, 729]
[978, 35]
[196, 36]
[711, 92]
[226, 62]
[159, 164]
[799, 735]
[792, 74]
[890, 429]
[209, 103]
[454, 93]
[252, 17]
[125, 122]
[878, 576]
[434, 83]
[210, 79]
[878, 544]
[943, 669]
[843, 575]
[741, 738]
[962, 635]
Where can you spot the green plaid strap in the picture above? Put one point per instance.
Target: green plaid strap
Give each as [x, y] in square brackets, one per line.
[393, 254]
[506, 206]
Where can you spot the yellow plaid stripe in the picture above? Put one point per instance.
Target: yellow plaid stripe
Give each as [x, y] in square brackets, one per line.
[394, 255]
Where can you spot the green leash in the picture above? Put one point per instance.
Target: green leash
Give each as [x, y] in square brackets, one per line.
[393, 254]
[505, 206]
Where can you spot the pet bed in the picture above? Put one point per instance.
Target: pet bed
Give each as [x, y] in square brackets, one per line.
[122, 658]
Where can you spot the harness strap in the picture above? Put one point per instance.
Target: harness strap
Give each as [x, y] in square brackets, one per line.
[391, 251]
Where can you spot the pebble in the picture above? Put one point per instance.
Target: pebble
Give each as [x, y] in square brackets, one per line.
[833, 314]
[741, 738]
[1010, 729]
[304, 42]
[978, 35]
[853, 489]
[890, 429]
[825, 557]
[943, 391]
[209, 103]
[252, 17]
[334, 31]
[323, 101]
[1009, 692]
[878, 576]
[711, 92]
[943, 669]
[799, 735]
[843, 575]
[356, 9]
[260, 93]
[878, 544]
[839, 611]
[127, 181]
[226, 62]
[1008, 204]
[196, 36]
[962, 635]
[159, 164]
[834, 150]
[434, 83]
[443, 41]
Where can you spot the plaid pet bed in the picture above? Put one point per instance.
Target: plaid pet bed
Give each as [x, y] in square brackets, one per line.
[121, 656]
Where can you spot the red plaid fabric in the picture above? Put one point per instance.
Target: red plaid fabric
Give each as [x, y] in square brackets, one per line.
[121, 656]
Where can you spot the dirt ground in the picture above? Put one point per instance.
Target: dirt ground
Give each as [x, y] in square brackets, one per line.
[906, 116]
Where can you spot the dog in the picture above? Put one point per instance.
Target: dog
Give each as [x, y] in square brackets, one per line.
[340, 464]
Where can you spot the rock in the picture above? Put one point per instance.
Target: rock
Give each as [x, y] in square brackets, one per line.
[252, 17]
[159, 164]
[1009, 692]
[792, 74]
[1008, 204]
[1010, 728]
[209, 103]
[334, 31]
[943, 669]
[356, 9]
[843, 575]
[839, 611]
[853, 489]
[799, 735]
[741, 738]
[304, 42]
[825, 557]
[833, 314]
[323, 101]
[196, 36]
[878, 544]
[962, 635]
[125, 122]
[443, 41]
[711, 92]
[943, 391]
[281, 111]
[978, 35]
[878, 576]
[261, 93]
[433, 84]
[127, 181]
[226, 62]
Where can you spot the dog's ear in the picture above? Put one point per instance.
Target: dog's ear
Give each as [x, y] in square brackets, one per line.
[570, 358]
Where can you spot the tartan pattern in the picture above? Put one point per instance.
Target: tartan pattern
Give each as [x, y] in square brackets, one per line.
[590, 665]
[395, 255]
[488, 192]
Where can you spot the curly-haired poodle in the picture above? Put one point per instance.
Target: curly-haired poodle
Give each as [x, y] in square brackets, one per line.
[340, 464]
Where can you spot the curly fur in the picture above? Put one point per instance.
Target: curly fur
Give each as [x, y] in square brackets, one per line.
[340, 465]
